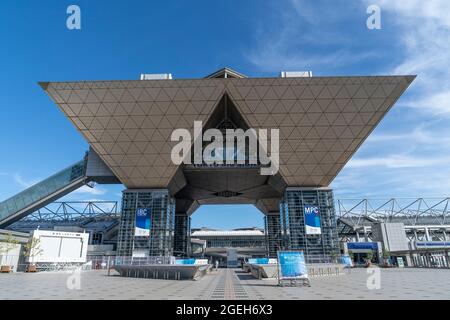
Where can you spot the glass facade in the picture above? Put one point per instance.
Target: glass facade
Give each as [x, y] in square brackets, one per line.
[274, 236]
[170, 234]
[161, 238]
[42, 189]
[317, 247]
[234, 241]
[182, 235]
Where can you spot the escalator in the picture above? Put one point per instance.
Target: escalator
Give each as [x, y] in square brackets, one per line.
[43, 193]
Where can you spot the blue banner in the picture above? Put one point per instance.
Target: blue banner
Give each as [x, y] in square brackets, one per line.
[347, 261]
[258, 261]
[143, 222]
[185, 261]
[292, 265]
[312, 219]
[362, 245]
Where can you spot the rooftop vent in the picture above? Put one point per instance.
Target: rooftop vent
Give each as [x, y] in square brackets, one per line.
[296, 74]
[156, 76]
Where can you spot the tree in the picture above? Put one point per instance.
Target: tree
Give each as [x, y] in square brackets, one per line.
[333, 257]
[32, 249]
[369, 257]
[351, 255]
[386, 255]
[8, 244]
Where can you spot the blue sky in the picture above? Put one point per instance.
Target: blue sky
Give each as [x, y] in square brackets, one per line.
[408, 155]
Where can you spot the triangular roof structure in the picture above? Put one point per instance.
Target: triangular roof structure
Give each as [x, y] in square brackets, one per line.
[226, 73]
[322, 120]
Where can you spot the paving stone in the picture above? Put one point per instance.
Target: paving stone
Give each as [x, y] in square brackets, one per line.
[225, 284]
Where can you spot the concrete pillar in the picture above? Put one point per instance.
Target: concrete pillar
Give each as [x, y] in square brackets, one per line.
[409, 260]
[447, 258]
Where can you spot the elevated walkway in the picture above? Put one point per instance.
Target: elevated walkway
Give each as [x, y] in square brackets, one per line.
[43, 193]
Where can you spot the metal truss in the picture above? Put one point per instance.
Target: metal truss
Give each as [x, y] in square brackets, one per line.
[67, 211]
[409, 211]
[424, 219]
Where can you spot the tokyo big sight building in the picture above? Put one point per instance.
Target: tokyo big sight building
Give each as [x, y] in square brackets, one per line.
[322, 122]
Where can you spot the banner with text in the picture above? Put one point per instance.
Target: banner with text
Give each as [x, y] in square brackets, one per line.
[312, 219]
[143, 222]
[292, 265]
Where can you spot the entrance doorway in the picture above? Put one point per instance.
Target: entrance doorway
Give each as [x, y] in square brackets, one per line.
[230, 234]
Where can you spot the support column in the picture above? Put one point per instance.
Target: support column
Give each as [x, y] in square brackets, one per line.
[321, 241]
[150, 233]
[427, 234]
[273, 232]
[366, 234]
[182, 235]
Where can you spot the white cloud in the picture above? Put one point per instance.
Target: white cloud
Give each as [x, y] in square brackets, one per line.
[389, 183]
[298, 29]
[438, 103]
[437, 10]
[96, 191]
[24, 183]
[396, 161]
[424, 30]
[426, 133]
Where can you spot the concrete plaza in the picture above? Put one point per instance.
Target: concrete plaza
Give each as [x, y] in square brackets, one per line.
[227, 284]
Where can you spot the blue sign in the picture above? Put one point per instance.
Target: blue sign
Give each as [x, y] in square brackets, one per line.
[362, 245]
[185, 261]
[347, 261]
[312, 219]
[292, 265]
[143, 222]
[433, 244]
[258, 261]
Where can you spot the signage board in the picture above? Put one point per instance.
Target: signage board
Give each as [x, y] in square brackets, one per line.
[312, 219]
[185, 261]
[258, 261]
[292, 265]
[58, 247]
[347, 261]
[143, 222]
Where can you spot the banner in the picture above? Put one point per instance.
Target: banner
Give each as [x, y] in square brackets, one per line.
[185, 261]
[347, 261]
[312, 219]
[143, 222]
[258, 261]
[292, 265]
